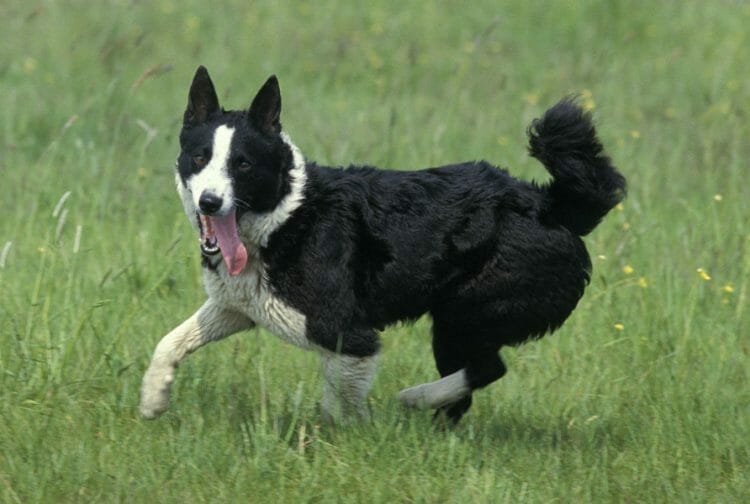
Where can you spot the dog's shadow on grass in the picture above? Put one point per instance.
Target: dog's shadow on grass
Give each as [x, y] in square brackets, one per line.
[299, 425]
[543, 431]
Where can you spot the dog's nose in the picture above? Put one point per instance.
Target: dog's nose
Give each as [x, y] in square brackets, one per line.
[209, 202]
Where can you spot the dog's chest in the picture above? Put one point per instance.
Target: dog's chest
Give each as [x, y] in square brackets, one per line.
[250, 293]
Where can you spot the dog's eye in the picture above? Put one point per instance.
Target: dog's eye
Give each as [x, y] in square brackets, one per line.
[244, 165]
[200, 161]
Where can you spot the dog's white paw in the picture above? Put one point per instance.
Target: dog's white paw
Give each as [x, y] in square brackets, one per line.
[437, 394]
[415, 397]
[155, 392]
[335, 411]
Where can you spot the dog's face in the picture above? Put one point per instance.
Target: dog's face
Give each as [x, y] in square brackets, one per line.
[231, 164]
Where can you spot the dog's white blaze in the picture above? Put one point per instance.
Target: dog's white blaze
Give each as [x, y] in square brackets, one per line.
[214, 177]
[260, 226]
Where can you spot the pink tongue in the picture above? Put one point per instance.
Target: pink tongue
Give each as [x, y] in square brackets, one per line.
[234, 252]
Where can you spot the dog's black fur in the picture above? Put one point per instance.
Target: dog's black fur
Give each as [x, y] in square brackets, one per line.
[495, 261]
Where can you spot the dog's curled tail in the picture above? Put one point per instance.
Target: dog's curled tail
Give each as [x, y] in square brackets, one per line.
[585, 185]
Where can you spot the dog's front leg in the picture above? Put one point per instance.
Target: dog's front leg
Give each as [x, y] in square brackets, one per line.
[210, 323]
[347, 380]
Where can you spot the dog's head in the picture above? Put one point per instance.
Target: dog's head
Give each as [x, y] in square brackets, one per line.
[234, 165]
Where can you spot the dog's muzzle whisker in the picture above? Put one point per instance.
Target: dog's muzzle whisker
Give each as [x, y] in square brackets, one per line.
[240, 203]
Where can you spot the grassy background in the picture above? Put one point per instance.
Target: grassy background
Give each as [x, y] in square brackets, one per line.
[642, 396]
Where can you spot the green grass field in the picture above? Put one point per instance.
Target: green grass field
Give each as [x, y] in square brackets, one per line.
[644, 394]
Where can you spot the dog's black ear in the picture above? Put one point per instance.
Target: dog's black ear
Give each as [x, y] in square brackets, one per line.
[265, 111]
[202, 100]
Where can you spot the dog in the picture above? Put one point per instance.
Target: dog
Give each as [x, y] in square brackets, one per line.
[325, 258]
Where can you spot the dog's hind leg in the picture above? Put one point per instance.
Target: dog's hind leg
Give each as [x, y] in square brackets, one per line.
[210, 323]
[444, 392]
[347, 380]
[464, 368]
[452, 388]
[480, 371]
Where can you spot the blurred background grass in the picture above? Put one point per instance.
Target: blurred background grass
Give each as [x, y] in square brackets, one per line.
[642, 396]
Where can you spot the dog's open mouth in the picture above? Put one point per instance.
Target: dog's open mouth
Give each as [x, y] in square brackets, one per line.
[219, 234]
[209, 242]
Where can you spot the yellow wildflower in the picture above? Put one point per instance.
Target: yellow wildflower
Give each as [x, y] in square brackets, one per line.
[703, 274]
[531, 98]
[192, 23]
[587, 100]
[30, 65]
[628, 269]
[728, 289]
[643, 283]
[619, 327]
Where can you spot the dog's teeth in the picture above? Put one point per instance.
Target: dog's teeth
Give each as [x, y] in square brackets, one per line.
[209, 245]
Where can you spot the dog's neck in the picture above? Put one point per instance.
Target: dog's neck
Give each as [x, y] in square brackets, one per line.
[255, 229]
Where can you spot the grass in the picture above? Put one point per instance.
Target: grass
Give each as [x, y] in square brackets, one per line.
[642, 396]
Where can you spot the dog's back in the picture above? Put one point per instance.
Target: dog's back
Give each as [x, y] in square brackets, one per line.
[464, 241]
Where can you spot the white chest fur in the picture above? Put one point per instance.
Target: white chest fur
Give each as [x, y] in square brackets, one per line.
[250, 294]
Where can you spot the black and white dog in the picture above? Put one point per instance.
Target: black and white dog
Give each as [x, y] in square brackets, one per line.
[326, 257]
